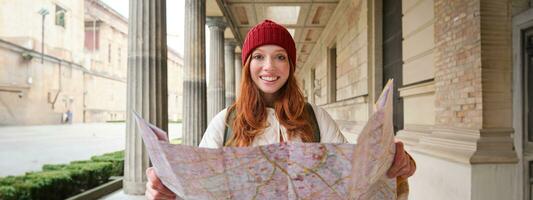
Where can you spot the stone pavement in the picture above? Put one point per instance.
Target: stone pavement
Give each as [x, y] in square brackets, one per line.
[119, 195]
[27, 148]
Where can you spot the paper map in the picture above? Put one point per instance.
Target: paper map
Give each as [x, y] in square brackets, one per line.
[281, 171]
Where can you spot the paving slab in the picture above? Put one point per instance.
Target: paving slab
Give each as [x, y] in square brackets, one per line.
[27, 148]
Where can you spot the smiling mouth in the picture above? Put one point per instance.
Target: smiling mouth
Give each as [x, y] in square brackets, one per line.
[269, 78]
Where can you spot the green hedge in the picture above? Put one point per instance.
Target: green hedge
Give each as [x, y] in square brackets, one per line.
[117, 158]
[60, 181]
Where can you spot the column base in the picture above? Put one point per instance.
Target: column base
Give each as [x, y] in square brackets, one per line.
[134, 187]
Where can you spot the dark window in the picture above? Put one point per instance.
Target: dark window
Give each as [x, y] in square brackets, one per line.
[109, 53]
[92, 38]
[60, 16]
[118, 58]
[332, 75]
[392, 55]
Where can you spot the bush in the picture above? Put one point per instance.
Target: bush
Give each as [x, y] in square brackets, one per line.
[60, 181]
[37, 185]
[117, 158]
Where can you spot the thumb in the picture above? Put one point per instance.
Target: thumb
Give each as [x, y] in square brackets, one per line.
[151, 175]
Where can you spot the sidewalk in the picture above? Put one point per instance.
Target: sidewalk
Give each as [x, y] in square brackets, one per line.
[27, 148]
[119, 195]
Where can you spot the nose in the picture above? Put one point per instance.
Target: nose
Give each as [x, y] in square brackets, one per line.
[268, 65]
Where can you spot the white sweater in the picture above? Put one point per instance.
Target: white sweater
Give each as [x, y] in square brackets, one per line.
[329, 131]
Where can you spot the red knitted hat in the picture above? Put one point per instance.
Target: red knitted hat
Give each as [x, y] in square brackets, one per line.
[269, 32]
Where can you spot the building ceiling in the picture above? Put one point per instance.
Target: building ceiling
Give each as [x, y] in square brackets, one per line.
[305, 19]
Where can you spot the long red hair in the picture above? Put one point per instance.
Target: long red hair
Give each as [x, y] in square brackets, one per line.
[251, 114]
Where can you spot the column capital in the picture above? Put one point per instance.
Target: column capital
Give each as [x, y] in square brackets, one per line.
[230, 42]
[229, 45]
[216, 22]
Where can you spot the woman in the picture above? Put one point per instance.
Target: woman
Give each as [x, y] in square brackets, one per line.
[271, 108]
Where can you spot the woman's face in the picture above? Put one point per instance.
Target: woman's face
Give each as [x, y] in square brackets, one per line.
[269, 68]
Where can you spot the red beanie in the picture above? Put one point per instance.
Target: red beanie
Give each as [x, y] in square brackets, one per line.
[269, 32]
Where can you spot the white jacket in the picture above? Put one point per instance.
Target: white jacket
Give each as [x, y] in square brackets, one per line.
[329, 131]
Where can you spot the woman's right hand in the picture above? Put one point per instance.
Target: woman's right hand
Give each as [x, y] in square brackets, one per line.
[155, 188]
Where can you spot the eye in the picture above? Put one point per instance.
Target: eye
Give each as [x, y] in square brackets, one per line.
[281, 57]
[257, 57]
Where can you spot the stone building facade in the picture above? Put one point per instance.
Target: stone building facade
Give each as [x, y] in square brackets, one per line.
[454, 84]
[461, 80]
[461, 71]
[84, 65]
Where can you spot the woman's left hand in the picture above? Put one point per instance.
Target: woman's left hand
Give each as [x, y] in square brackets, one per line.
[402, 165]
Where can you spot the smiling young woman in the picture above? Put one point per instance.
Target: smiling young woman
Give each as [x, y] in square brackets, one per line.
[271, 108]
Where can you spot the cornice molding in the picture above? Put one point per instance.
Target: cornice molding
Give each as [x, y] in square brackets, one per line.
[468, 146]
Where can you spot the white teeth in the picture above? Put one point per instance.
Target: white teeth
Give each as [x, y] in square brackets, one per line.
[269, 78]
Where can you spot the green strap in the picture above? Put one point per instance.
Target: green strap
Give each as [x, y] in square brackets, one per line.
[230, 117]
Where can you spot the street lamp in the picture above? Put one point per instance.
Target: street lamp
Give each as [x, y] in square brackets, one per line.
[43, 12]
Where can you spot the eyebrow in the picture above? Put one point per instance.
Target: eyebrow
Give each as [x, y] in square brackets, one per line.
[275, 51]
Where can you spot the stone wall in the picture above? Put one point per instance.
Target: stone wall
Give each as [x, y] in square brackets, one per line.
[347, 32]
[112, 56]
[418, 70]
[105, 98]
[35, 93]
[175, 86]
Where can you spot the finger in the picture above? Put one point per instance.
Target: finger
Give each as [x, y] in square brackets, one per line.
[399, 161]
[153, 178]
[148, 195]
[163, 197]
[155, 183]
[410, 170]
[412, 167]
[404, 171]
[159, 188]
[396, 169]
[399, 147]
[154, 194]
[150, 174]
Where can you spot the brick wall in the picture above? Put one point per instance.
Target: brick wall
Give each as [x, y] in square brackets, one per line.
[473, 63]
[458, 87]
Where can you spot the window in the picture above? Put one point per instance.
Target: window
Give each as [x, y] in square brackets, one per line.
[109, 53]
[60, 16]
[332, 75]
[283, 14]
[315, 89]
[118, 57]
[305, 90]
[92, 39]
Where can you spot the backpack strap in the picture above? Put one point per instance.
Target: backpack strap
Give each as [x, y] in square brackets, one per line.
[230, 118]
[228, 129]
[313, 122]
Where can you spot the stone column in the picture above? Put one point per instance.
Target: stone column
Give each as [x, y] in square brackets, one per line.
[216, 88]
[238, 73]
[147, 85]
[194, 87]
[229, 51]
